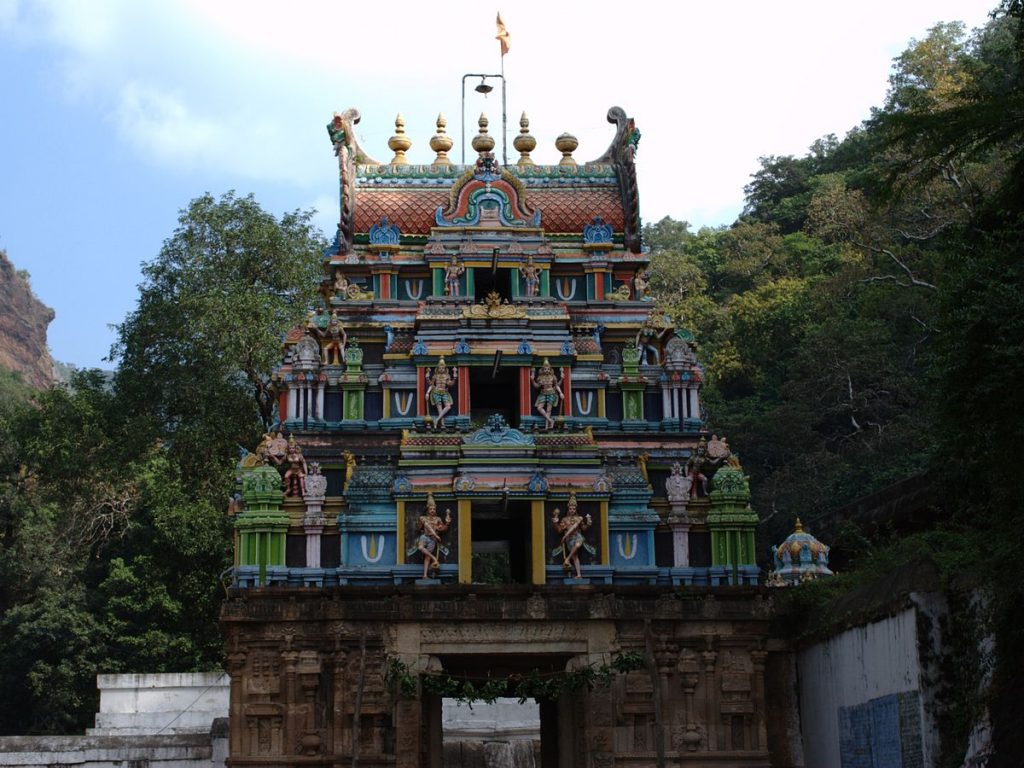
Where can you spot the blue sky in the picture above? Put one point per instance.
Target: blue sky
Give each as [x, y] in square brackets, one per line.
[116, 113]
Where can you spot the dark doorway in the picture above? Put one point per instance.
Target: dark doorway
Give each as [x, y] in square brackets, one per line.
[501, 543]
[485, 281]
[534, 733]
[494, 394]
[501, 733]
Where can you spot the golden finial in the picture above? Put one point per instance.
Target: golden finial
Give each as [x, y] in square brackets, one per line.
[566, 144]
[799, 526]
[399, 143]
[524, 142]
[483, 142]
[441, 142]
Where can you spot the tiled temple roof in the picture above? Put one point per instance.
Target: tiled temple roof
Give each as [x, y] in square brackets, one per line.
[562, 210]
[568, 196]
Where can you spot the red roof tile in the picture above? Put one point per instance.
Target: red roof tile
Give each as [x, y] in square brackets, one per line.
[562, 210]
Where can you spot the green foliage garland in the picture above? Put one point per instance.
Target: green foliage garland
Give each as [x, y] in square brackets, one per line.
[534, 685]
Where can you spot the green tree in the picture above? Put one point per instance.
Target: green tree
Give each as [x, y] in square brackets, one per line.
[112, 531]
[195, 357]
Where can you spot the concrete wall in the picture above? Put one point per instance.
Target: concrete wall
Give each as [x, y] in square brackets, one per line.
[504, 720]
[160, 703]
[505, 734]
[145, 721]
[861, 698]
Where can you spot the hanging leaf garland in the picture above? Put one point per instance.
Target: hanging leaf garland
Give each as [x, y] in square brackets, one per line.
[534, 685]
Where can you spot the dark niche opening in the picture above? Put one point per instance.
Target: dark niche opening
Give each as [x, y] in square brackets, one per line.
[501, 543]
[485, 281]
[491, 393]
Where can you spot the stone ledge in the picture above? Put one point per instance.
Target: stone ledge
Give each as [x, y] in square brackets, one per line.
[76, 750]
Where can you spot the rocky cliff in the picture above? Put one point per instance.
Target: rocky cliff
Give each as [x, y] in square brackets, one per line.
[23, 324]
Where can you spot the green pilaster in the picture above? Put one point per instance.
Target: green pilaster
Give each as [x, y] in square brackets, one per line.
[632, 385]
[263, 526]
[470, 282]
[438, 275]
[353, 402]
[731, 521]
[632, 402]
[545, 282]
[353, 385]
[514, 283]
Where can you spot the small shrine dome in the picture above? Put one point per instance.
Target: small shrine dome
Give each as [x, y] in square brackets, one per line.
[801, 557]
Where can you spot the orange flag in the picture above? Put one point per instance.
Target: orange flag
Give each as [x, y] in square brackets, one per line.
[503, 36]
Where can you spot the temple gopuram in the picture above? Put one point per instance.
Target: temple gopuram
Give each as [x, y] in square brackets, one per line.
[492, 468]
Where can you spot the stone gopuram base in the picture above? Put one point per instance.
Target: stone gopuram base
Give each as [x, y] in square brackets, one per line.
[308, 671]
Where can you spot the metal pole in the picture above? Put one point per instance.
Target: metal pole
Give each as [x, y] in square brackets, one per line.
[504, 119]
[464, 119]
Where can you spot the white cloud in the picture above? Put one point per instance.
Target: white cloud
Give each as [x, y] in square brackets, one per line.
[327, 214]
[89, 28]
[8, 13]
[244, 87]
[160, 124]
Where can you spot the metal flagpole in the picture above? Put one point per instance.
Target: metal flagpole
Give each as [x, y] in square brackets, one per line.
[504, 117]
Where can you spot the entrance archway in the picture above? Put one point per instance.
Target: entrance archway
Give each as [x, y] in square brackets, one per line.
[508, 733]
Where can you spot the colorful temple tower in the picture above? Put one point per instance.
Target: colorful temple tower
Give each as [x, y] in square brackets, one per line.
[488, 399]
[486, 337]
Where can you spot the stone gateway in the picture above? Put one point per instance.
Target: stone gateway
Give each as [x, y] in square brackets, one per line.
[494, 478]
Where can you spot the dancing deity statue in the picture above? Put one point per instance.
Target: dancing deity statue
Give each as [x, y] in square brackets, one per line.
[438, 384]
[452, 273]
[571, 527]
[429, 544]
[649, 340]
[295, 475]
[550, 392]
[531, 277]
[334, 340]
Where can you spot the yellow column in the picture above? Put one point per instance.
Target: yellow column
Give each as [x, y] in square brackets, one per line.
[600, 403]
[465, 541]
[387, 402]
[540, 555]
[605, 550]
[400, 534]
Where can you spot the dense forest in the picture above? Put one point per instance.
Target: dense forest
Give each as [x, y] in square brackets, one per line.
[860, 323]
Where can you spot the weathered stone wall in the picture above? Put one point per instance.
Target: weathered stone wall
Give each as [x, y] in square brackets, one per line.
[164, 751]
[308, 671]
[23, 325]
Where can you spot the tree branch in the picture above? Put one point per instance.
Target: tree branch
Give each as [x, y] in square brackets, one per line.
[914, 280]
[849, 390]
